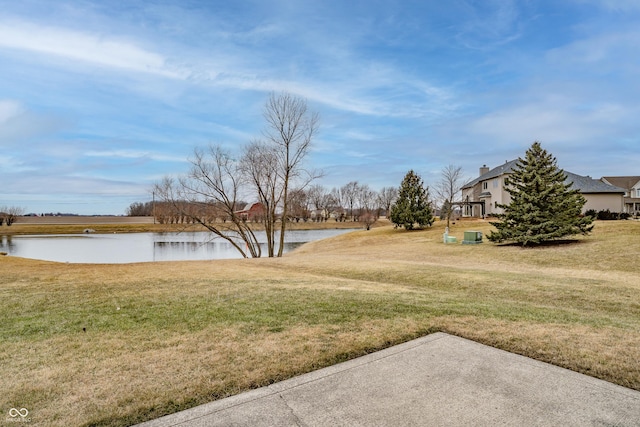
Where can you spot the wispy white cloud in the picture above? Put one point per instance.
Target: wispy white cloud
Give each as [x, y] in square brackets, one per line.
[10, 164]
[489, 24]
[600, 52]
[84, 46]
[17, 123]
[350, 90]
[80, 185]
[9, 109]
[549, 122]
[133, 154]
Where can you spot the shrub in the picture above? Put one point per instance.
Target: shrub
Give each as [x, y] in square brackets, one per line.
[607, 215]
[592, 213]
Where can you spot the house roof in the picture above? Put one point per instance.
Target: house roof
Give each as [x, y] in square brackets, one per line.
[504, 168]
[627, 182]
[585, 184]
[249, 206]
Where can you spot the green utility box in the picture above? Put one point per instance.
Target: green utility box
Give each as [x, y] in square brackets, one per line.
[472, 237]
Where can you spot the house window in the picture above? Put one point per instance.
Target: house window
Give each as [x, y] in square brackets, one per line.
[638, 192]
[485, 185]
[495, 183]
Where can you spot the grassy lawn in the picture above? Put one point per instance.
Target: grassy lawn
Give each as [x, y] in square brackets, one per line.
[120, 344]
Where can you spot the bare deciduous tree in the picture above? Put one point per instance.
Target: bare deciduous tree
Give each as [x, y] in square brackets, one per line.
[387, 197]
[299, 204]
[290, 128]
[267, 170]
[448, 187]
[209, 195]
[321, 200]
[140, 209]
[367, 201]
[259, 165]
[10, 214]
[349, 195]
[337, 198]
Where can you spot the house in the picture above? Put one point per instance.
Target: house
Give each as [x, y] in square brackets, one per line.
[482, 196]
[252, 212]
[631, 185]
[319, 214]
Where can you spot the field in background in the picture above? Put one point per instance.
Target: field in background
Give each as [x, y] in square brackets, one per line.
[83, 220]
[136, 224]
[119, 344]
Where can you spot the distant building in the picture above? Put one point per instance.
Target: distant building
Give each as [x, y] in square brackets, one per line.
[252, 212]
[482, 196]
[631, 185]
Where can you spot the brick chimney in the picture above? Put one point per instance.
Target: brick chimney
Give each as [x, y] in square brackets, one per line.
[484, 169]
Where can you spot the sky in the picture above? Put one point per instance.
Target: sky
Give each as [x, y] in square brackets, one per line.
[99, 100]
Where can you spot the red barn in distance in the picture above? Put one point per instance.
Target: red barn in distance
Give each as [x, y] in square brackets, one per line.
[252, 212]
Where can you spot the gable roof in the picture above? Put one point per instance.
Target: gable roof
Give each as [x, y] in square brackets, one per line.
[249, 206]
[585, 184]
[504, 168]
[627, 182]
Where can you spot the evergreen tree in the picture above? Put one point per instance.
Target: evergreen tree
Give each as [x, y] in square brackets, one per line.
[412, 206]
[542, 206]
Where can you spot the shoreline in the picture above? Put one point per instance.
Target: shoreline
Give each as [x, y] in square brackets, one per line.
[72, 224]
[82, 219]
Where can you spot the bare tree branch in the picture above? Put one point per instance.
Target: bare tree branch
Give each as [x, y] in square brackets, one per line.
[290, 128]
[387, 197]
[349, 195]
[10, 214]
[260, 167]
[448, 187]
[208, 195]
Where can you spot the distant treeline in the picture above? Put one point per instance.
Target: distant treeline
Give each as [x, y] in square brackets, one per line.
[140, 209]
[176, 212]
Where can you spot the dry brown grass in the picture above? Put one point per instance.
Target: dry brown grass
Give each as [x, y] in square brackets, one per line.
[118, 344]
[77, 225]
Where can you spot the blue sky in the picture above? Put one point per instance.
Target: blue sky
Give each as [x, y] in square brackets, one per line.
[100, 99]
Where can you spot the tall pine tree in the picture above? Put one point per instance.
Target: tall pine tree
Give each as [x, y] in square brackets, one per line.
[412, 206]
[542, 206]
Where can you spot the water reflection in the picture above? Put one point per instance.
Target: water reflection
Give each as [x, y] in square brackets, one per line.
[6, 243]
[139, 247]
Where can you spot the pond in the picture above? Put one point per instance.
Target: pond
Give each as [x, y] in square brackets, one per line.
[140, 247]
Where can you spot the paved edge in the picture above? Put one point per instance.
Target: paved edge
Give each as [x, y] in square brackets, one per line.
[193, 414]
[251, 395]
